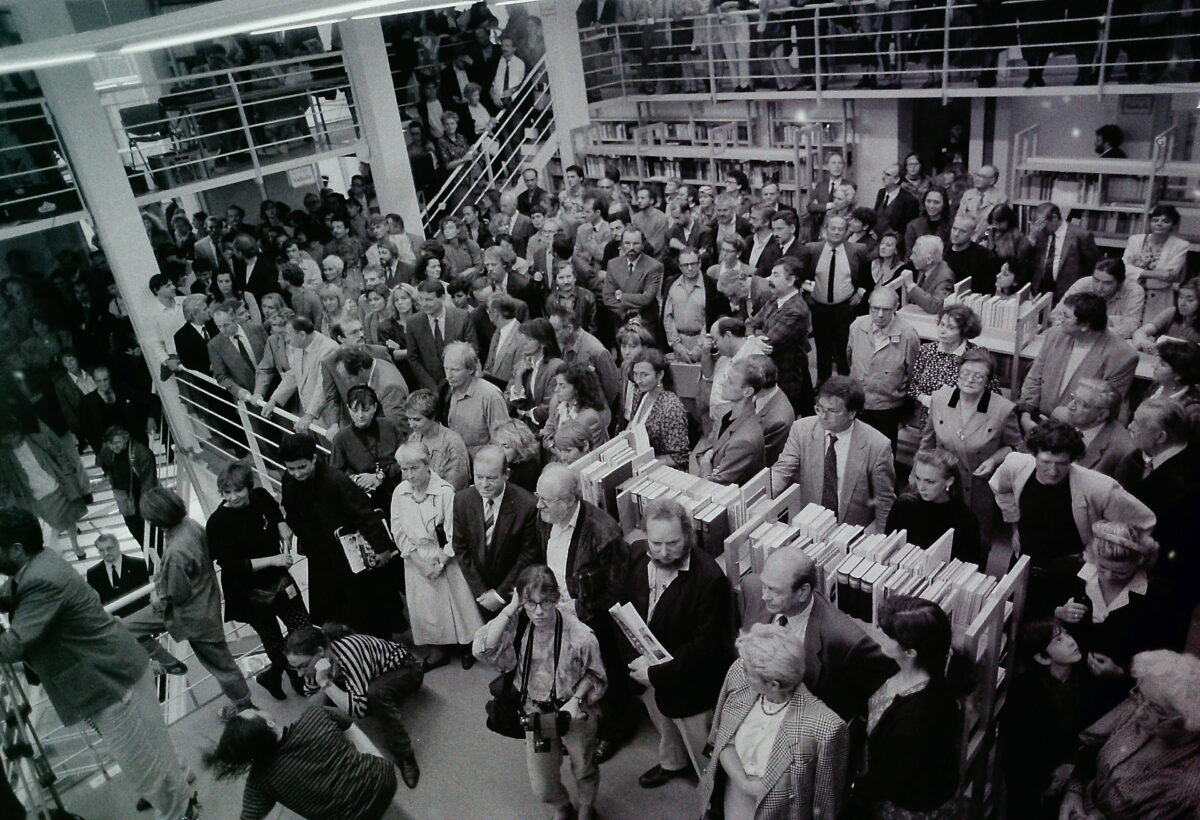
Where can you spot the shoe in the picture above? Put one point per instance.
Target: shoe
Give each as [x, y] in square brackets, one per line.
[467, 659]
[658, 776]
[143, 804]
[605, 750]
[229, 711]
[410, 773]
[176, 668]
[434, 660]
[271, 679]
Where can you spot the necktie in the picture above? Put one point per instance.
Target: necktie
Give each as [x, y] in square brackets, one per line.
[829, 484]
[245, 353]
[832, 272]
[489, 519]
[504, 87]
[1048, 270]
[438, 341]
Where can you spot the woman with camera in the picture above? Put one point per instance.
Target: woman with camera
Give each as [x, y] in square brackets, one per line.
[558, 677]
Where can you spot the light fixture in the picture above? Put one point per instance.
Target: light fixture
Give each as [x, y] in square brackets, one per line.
[50, 61]
[295, 26]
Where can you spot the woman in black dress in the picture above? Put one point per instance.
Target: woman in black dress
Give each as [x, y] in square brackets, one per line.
[933, 504]
[250, 542]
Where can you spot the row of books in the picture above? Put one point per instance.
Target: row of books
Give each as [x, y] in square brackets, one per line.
[612, 131]
[1084, 189]
[958, 587]
[594, 167]
[603, 470]
[716, 509]
[996, 312]
[1102, 222]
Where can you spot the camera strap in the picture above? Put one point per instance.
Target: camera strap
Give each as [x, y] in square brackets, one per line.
[528, 665]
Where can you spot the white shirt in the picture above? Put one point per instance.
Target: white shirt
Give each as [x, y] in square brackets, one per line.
[781, 301]
[1079, 351]
[165, 321]
[761, 400]
[558, 546]
[1101, 609]
[114, 570]
[659, 578]
[1060, 239]
[201, 329]
[755, 738]
[516, 75]
[757, 248]
[441, 325]
[83, 381]
[797, 623]
[843, 284]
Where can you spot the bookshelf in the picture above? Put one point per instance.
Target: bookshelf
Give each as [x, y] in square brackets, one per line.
[857, 572]
[702, 146]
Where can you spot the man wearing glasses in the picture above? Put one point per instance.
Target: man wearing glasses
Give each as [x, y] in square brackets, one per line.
[883, 350]
[693, 303]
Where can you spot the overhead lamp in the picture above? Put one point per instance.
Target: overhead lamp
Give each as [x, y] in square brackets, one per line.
[49, 61]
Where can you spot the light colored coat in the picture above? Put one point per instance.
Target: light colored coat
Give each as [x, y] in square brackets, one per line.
[1110, 359]
[884, 371]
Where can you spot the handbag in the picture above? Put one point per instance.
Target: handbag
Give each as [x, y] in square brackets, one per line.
[505, 711]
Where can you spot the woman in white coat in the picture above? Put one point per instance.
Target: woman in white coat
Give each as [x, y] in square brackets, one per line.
[1157, 259]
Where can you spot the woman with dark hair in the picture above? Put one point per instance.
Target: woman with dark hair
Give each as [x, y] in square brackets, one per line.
[532, 385]
[463, 256]
[935, 219]
[1180, 322]
[578, 396]
[915, 180]
[738, 184]
[933, 504]
[658, 409]
[225, 288]
[887, 260]
[271, 217]
[1011, 247]
[632, 338]
[252, 544]
[309, 767]
[1177, 375]
[1157, 259]
[365, 449]
[431, 266]
[556, 660]
[361, 675]
[861, 229]
[938, 362]
[913, 719]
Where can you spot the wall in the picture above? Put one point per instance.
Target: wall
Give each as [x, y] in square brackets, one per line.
[1068, 123]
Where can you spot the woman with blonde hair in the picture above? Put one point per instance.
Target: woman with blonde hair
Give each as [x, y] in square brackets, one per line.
[521, 448]
[333, 304]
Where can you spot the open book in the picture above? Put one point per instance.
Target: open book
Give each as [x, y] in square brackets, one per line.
[639, 635]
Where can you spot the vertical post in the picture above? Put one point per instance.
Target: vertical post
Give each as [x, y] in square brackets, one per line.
[564, 68]
[1104, 32]
[365, 54]
[260, 466]
[710, 47]
[241, 109]
[616, 40]
[946, 51]
[817, 50]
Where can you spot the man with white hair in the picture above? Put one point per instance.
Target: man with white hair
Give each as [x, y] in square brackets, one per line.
[474, 405]
[191, 340]
[978, 203]
[883, 352]
[933, 280]
[1091, 409]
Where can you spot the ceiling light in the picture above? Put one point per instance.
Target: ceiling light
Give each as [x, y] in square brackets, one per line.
[47, 62]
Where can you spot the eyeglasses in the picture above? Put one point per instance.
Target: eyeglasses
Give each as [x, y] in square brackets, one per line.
[542, 501]
[830, 411]
[972, 377]
[540, 606]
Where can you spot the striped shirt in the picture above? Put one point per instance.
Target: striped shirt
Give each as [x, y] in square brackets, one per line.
[318, 774]
[361, 659]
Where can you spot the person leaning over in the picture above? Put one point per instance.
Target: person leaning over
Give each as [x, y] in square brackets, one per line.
[556, 658]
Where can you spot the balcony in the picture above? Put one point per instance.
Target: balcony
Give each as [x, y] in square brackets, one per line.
[855, 50]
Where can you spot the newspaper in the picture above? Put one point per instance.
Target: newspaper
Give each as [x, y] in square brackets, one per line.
[639, 635]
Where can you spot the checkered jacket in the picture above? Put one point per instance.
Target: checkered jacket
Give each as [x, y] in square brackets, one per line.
[806, 773]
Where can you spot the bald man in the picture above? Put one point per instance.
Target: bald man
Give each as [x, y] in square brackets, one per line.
[843, 666]
[978, 203]
[883, 351]
[495, 530]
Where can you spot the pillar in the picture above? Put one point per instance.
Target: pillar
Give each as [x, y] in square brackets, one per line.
[564, 67]
[379, 118]
[93, 154]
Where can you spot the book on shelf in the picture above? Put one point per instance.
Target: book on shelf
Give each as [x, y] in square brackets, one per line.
[714, 508]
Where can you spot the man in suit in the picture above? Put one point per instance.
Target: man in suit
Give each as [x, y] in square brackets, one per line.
[498, 265]
[307, 350]
[107, 407]
[894, 206]
[304, 302]
[783, 320]
[686, 601]
[839, 462]
[1091, 409]
[735, 450]
[117, 574]
[841, 276]
[70, 386]
[353, 365]
[209, 245]
[191, 340]
[970, 260]
[586, 550]
[977, 204]
[687, 231]
[1080, 348]
[844, 666]
[427, 335]
[597, 13]
[821, 201]
[520, 226]
[634, 282]
[577, 345]
[649, 221]
[495, 531]
[1062, 253]
[507, 344]
[234, 354]
[253, 270]
[454, 81]
[533, 192]
[90, 666]
[785, 242]
[771, 404]
[591, 238]
[932, 280]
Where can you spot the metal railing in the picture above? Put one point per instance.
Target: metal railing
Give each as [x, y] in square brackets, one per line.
[495, 158]
[434, 53]
[845, 46]
[185, 130]
[35, 181]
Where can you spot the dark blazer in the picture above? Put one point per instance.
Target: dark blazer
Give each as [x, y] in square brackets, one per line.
[596, 560]
[640, 290]
[424, 356]
[484, 327]
[912, 754]
[1077, 259]
[843, 666]
[528, 198]
[856, 256]
[514, 543]
[98, 415]
[693, 621]
[385, 380]
[192, 347]
[895, 217]
[70, 401]
[817, 203]
[787, 330]
[264, 278]
[228, 367]
[586, 15]
[133, 576]
[1110, 359]
[697, 238]
[773, 253]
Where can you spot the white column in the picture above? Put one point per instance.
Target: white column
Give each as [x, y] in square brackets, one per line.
[379, 119]
[92, 150]
[564, 67]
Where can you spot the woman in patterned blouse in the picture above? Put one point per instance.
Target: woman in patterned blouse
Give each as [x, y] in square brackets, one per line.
[937, 362]
[658, 409]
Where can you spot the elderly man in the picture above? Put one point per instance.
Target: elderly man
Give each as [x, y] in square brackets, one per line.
[744, 291]
[307, 350]
[586, 550]
[686, 309]
[727, 224]
[1063, 253]
[1081, 347]
[770, 404]
[841, 280]
[933, 280]
[839, 462]
[734, 451]
[1124, 298]
[729, 342]
[504, 348]
[633, 283]
[90, 666]
[883, 351]
[686, 601]
[474, 405]
[969, 259]
[1091, 409]
[191, 340]
[649, 221]
[844, 665]
[116, 574]
[977, 204]
[235, 353]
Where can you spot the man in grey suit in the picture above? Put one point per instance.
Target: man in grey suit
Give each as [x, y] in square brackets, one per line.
[735, 451]
[507, 344]
[634, 283]
[1062, 253]
[1092, 410]
[234, 353]
[91, 667]
[839, 462]
[427, 335]
[354, 365]
[774, 410]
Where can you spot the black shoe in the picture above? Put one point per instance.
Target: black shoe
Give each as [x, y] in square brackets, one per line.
[143, 804]
[177, 668]
[658, 776]
[271, 679]
[467, 659]
[410, 773]
[867, 81]
[605, 750]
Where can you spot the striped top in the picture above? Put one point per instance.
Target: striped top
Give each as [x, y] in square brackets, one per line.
[361, 659]
[318, 774]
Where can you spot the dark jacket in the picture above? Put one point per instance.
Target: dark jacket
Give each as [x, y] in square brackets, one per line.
[98, 415]
[895, 217]
[192, 347]
[694, 622]
[595, 561]
[912, 754]
[514, 543]
[424, 357]
[133, 576]
[773, 253]
[235, 538]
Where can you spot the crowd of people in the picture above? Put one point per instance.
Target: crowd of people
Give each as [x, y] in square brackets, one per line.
[456, 379]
